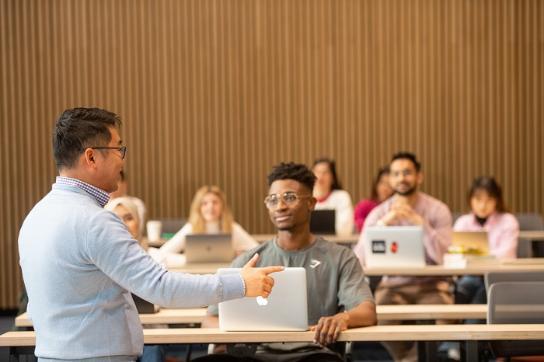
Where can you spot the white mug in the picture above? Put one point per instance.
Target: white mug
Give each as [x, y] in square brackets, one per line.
[154, 230]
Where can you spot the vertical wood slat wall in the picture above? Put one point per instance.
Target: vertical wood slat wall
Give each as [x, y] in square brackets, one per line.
[218, 91]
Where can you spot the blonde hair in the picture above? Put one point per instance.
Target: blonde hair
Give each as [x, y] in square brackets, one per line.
[195, 217]
[132, 208]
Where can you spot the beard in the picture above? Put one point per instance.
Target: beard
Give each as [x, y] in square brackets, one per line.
[407, 192]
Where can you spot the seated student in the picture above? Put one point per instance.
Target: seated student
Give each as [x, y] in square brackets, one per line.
[488, 213]
[122, 191]
[338, 295]
[381, 190]
[210, 214]
[329, 194]
[409, 206]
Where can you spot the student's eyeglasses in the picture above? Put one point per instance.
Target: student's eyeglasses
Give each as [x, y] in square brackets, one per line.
[122, 150]
[288, 198]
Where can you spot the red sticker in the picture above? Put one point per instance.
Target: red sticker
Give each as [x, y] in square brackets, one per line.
[394, 247]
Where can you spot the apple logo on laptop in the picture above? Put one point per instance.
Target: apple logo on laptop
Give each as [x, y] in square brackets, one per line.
[261, 301]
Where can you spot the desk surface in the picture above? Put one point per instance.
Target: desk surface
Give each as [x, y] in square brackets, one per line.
[385, 312]
[433, 332]
[517, 265]
[532, 234]
[354, 238]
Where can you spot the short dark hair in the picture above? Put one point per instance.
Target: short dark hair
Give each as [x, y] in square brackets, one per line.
[80, 128]
[382, 171]
[292, 171]
[407, 156]
[489, 185]
[336, 185]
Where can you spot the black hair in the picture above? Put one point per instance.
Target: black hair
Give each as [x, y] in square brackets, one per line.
[489, 185]
[336, 185]
[80, 128]
[292, 171]
[381, 172]
[407, 156]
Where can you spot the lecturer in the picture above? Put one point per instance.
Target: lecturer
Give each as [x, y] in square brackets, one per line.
[80, 263]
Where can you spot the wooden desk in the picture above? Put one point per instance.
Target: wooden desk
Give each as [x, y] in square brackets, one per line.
[470, 333]
[163, 316]
[532, 234]
[517, 265]
[354, 238]
[385, 312]
[431, 311]
[431, 332]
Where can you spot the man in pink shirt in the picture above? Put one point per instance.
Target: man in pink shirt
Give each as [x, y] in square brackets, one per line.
[409, 206]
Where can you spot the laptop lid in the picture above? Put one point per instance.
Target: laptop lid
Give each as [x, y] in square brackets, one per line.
[322, 222]
[208, 248]
[390, 246]
[286, 309]
[470, 242]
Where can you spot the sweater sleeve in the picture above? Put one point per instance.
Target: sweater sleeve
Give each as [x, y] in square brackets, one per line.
[110, 247]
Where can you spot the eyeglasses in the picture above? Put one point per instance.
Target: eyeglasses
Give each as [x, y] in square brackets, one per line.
[288, 198]
[122, 150]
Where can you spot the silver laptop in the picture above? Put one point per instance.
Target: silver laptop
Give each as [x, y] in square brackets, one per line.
[286, 309]
[394, 246]
[208, 248]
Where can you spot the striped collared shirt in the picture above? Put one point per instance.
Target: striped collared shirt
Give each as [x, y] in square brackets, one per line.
[101, 196]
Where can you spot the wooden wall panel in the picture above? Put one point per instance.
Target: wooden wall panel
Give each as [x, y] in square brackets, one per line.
[217, 92]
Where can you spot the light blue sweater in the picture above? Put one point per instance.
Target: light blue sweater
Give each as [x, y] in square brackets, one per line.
[79, 262]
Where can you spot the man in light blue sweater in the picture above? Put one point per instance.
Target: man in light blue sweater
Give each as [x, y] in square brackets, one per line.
[80, 263]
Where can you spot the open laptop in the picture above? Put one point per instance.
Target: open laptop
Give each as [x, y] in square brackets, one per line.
[470, 242]
[208, 248]
[286, 309]
[394, 246]
[322, 222]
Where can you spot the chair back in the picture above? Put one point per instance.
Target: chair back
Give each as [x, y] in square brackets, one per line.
[530, 221]
[498, 277]
[516, 302]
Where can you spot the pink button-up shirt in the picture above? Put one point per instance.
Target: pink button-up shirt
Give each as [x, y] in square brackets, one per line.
[436, 232]
[502, 232]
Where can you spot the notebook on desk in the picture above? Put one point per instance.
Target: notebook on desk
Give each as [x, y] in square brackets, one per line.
[208, 248]
[394, 246]
[286, 309]
[322, 222]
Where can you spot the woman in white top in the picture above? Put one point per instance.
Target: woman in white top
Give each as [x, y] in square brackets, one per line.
[329, 195]
[210, 214]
